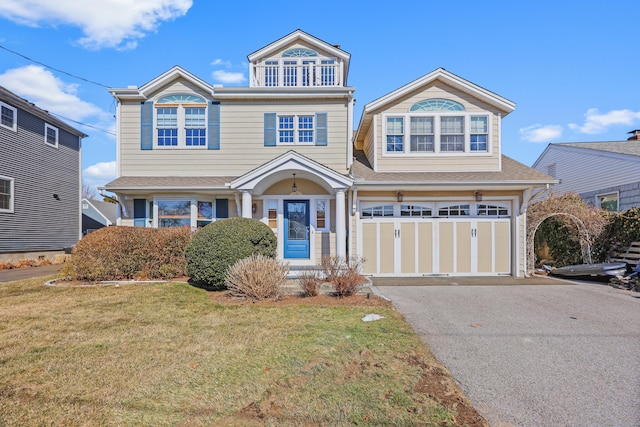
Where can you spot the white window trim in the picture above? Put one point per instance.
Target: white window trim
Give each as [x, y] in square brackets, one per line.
[15, 117]
[296, 130]
[47, 126]
[435, 205]
[182, 133]
[437, 153]
[327, 214]
[608, 193]
[12, 194]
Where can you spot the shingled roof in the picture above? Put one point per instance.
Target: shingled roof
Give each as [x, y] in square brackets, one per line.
[513, 173]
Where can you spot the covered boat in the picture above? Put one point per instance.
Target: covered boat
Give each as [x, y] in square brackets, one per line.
[603, 269]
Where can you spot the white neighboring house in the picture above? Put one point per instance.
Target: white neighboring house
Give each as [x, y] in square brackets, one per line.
[604, 174]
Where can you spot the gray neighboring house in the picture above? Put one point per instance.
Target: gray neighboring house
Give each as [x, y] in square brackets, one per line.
[97, 214]
[604, 174]
[40, 181]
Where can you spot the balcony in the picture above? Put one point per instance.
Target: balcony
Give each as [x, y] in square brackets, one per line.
[307, 73]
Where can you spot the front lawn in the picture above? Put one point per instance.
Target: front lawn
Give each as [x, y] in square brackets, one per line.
[169, 354]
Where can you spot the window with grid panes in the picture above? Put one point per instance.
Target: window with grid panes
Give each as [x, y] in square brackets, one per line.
[395, 134]
[422, 133]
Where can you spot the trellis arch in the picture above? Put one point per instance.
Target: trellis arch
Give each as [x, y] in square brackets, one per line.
[588, 221]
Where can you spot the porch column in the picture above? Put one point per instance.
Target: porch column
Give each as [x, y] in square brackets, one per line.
[246, 204]
[341, 232]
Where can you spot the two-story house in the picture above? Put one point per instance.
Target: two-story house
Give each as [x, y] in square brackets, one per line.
[40, 184]
[420, 188]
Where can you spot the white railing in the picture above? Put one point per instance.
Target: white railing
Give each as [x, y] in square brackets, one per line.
[297, 75]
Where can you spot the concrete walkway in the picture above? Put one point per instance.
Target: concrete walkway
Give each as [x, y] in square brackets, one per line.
[29, 272]
[565, 354]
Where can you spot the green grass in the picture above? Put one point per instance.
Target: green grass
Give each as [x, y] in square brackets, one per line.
[166, 354]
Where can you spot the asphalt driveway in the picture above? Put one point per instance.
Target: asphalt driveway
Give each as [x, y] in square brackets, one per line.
[534, 353]
[27, 273]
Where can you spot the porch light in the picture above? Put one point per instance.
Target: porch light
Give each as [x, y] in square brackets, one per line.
[399, 196]
[294, 187]
[478, 196]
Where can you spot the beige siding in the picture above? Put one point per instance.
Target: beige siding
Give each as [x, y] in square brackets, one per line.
[441, 163]
[325, 245]
[304, 187]
[242, 141]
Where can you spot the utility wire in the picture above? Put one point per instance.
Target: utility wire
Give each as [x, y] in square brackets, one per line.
[52, 68]
[83, 124]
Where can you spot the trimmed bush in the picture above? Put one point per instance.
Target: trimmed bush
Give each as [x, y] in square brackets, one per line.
[256, 277]
[221, 244]
[128, 253]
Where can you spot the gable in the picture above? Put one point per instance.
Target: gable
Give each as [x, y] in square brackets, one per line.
[300, 40]
[437, 84]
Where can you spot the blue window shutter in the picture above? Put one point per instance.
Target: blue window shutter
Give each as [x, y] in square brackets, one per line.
[222, 208]
[139, 212]
[269, 129]
[146, 128]
[322, 135]
[214, 126]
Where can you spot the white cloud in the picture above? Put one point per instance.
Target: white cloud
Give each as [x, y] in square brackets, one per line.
[105, 23]
[539, 133]
[41, 87]
[219, 61]
[596, 122]
[99, 174]
[228, 77]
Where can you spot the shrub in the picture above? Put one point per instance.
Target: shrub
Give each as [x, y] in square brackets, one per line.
[344, 276]
[561, 240]
[622, 229]
[221, 244]
[310, 281]
[256, 277]
[127, 253]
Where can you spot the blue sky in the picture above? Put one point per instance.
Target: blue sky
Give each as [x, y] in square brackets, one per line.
[572, 68]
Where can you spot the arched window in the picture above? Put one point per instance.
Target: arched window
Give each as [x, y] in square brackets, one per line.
[436, 104]
[299, 53]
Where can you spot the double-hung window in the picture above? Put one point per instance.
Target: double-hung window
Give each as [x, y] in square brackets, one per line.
[181, 122]
[167, 126]
[6, 194]
[479, 133]
[452, 133]
[195, 126]
[50, 135]
[422, 133]
[436, 126]
[295, 129]
[8, 116]
[395, 134]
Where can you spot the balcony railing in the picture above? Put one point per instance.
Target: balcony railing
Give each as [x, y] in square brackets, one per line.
[281, 74]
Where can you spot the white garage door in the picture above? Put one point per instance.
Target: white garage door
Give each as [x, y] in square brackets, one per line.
[458, 239]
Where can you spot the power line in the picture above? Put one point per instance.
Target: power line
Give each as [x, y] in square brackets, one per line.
[54, 69]
[83, 124]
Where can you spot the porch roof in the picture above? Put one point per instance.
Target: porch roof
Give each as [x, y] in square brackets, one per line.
[167, 183]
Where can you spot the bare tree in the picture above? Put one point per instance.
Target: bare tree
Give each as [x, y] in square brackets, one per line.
[89, 192]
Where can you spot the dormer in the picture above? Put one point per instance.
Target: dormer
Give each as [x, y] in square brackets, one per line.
[299, 60]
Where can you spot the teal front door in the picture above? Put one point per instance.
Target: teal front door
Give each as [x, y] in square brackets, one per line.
[296, 229]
